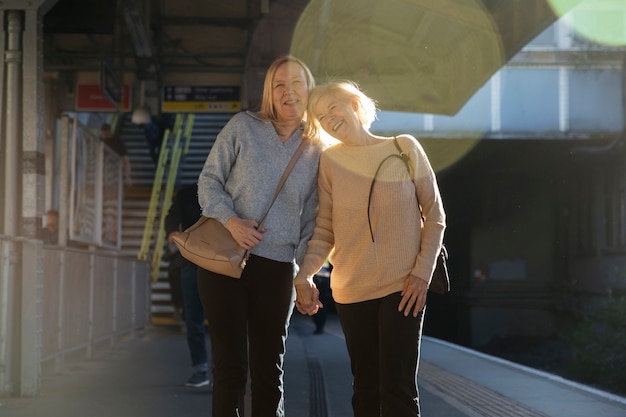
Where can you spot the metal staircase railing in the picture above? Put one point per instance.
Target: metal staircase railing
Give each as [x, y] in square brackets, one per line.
[175, 144]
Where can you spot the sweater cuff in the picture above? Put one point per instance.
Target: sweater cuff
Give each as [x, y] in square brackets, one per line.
[425, 275]
[302, 278]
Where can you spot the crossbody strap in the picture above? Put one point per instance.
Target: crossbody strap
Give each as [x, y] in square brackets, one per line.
[404, 158]
[279, 187]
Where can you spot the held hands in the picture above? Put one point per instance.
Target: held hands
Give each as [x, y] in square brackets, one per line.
[308, 298]
[413, 295]
[245, 232]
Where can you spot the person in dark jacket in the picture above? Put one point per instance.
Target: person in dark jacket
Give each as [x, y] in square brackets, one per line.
[183, 213]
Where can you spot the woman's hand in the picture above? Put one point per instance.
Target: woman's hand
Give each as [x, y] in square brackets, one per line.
[413, 295]
[308, 298]
[245, 232]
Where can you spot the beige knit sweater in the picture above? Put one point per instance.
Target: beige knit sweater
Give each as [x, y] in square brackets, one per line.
[369, 265]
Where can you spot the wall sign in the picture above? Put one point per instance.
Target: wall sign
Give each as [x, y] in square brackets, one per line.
[201, 99]
[90, 97]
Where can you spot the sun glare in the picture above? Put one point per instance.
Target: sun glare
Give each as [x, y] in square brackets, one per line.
[601, 21]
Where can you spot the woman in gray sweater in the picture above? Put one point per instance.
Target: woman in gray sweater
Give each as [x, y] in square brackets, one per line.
[248, 317]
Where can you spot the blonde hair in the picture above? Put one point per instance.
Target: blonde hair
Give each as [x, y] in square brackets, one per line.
[268, 110]
[347, 90]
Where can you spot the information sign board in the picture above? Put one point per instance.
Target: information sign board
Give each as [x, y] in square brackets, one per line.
[200, 99]
[90, 97]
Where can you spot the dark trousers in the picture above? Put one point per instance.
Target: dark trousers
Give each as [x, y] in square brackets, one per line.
[326, 297]
[383, 346]
[194, 317]
[248, 319]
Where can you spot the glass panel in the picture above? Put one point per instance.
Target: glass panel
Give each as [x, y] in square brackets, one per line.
[530, 99]
[595, 102]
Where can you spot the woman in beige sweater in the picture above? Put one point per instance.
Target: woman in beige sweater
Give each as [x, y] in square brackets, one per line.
[382, 247]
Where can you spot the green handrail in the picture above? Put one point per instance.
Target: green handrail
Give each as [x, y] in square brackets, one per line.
[177, 149]
[154, 198]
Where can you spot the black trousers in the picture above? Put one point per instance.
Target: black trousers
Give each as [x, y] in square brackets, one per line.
[248, 319]
[194, 317]
[384, 347]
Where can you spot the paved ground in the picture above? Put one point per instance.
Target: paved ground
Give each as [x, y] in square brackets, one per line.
[142, 377]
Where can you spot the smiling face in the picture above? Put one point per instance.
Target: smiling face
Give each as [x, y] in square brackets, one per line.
[290, 92]
[337, 116]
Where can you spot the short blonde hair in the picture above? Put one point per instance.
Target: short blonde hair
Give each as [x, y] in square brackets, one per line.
[268, 110]
[347, 90]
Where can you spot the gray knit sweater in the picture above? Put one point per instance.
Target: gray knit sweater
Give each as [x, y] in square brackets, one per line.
[240, 176]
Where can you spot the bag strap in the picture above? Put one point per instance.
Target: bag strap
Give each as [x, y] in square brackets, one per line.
[279, 187]
[283, 179]
[406, 163]
[402, 156]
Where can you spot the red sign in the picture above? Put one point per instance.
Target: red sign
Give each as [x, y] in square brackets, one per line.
[89, 97]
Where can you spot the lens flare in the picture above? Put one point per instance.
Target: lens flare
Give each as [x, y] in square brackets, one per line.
[601, 21]
[414, 56]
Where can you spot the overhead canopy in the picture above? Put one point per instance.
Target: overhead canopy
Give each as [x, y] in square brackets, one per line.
[417, 55]
[425, 56]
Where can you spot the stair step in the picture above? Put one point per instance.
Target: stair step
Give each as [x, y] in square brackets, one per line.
[137, 197]
[155, 308]
[161, 297]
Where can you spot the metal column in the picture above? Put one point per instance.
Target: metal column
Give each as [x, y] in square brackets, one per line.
[13, 66]
[22, 131]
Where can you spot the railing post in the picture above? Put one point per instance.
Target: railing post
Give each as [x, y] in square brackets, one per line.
[114, 323]
[91, 301]
[7, 270]
[133, 302]
[59, 360]
[30, 292]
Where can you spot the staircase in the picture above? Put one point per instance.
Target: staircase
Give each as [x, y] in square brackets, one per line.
[137, 197]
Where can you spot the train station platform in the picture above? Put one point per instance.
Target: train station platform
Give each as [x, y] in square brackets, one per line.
[143, 377]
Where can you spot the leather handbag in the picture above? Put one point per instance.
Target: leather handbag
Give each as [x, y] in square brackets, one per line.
[440, 281]
[208, 244]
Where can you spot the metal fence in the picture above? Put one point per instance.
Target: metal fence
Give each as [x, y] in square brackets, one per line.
[62, 301]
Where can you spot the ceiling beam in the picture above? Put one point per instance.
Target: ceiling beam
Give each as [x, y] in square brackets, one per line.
[206, 21]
